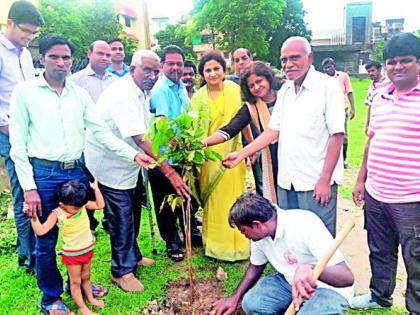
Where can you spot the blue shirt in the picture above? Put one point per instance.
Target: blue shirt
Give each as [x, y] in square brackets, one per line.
[15, 66]
[125, 71]
[168, 99]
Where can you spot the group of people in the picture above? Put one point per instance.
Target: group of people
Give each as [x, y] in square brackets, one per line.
[75, 142]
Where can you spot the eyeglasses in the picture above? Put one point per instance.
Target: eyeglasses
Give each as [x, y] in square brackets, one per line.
[180, 64]
[28, 31]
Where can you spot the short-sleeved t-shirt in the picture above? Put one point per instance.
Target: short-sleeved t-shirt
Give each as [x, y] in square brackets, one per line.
[393, 172]
[126, 110]
[301, 238]
[344, 80]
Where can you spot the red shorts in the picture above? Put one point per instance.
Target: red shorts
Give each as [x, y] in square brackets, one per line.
[77, 260]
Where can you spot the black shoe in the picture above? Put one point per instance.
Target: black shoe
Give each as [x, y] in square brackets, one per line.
[105, 226]
[30, 271]
[21, 261]
[196, 239]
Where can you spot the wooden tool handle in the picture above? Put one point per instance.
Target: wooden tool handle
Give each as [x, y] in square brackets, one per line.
[322, 263]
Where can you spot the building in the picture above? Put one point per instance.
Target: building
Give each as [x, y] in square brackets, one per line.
[358, 19]
[157, 24]
[377, 33]
[351, 46]
[394, 26]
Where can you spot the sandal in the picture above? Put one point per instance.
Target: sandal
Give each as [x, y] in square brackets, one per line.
[174, 253]
[46, 309]
[99, 290]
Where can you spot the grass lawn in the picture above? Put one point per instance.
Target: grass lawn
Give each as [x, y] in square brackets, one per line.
[357, 137]
[19, 293]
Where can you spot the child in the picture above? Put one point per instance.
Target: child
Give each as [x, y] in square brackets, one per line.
[78, 242]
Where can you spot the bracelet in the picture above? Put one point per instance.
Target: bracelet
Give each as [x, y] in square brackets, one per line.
[170, 173]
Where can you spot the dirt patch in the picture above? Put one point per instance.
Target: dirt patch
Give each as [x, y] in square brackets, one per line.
[356, 251]
[207, 292]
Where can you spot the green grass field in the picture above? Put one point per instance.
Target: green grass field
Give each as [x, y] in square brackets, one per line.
[19, 293]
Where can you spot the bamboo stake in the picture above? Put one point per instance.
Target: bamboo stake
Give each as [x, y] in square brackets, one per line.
[187, 222]
[320, 266]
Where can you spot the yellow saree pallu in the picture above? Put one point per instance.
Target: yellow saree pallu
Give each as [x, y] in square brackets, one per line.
[226, 185]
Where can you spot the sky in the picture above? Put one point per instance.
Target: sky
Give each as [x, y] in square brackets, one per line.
[321, 14]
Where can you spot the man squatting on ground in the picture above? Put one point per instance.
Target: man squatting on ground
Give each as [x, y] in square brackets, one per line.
[292, 242]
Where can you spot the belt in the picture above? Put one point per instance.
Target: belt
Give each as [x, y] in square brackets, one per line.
[67, 165]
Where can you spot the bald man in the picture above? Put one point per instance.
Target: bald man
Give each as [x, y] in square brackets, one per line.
[241, 59]
[94, 78]
[308, 122]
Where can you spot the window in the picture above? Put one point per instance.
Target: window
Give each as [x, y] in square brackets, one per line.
[358, 29]
[127, 21]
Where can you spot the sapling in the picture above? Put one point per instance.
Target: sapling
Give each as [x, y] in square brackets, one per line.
[179, 141]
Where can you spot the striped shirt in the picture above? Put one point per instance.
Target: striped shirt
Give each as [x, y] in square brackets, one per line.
[376, 88]
[394, 151]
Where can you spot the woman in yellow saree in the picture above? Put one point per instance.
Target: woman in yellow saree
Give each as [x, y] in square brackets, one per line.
[220, 187]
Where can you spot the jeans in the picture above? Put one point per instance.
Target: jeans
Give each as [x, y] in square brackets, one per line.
[124, 212]
[273, 295]
[48, 180]
[389, 225]
[291, 199]
[25, 234]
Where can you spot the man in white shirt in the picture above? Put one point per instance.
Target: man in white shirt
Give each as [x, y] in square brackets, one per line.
[292, 242]
[125, 108]
[94, 78]
[308, 122]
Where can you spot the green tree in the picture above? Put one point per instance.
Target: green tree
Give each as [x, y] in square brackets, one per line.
[378, 50]
[82, 22]
[199, 4]
[240, 23]
[176, 34]
[291, 24]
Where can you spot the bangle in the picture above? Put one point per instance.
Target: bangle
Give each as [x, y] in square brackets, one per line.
[170, 173]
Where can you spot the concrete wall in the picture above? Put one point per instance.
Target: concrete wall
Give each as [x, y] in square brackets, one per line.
[347, 57]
